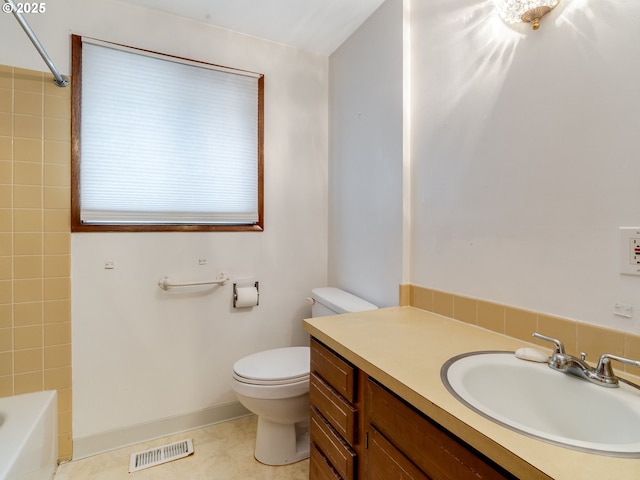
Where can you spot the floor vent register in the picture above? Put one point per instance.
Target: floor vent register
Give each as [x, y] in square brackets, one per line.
[158, 455]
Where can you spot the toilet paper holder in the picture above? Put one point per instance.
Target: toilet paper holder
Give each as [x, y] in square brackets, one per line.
[235, 292]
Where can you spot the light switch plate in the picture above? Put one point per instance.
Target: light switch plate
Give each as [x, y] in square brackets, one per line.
[630, 250]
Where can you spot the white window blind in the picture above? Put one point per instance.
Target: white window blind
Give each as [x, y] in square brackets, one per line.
[166, 141]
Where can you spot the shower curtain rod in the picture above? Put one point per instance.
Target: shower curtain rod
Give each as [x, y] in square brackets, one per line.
[59, 80]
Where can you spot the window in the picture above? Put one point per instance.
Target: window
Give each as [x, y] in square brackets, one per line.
[162, 143]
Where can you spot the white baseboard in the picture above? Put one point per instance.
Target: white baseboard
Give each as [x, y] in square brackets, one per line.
[111, 440]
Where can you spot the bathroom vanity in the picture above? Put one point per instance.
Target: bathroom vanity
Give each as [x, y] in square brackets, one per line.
[379, 409]
[396, 440]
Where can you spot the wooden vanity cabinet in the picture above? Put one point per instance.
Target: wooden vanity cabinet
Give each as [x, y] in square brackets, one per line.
[333, 394]
[361, 430]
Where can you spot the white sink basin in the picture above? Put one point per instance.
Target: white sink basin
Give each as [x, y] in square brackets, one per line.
[548, 405]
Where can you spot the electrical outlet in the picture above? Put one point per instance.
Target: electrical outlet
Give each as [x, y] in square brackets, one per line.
[634, 251]
[630, 250]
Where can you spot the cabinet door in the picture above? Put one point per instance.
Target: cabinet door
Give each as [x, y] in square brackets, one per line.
[429, 446]
[385, 462]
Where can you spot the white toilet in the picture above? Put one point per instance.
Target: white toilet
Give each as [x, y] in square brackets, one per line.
[274, 384]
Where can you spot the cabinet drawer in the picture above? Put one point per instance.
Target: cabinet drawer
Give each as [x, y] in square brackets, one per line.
[319, 467]
[334, 370]
[340, 413]
[434, 451]
[385, 462]
[334, 448]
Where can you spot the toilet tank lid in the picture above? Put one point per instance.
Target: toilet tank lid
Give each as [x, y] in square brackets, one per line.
[340, 301]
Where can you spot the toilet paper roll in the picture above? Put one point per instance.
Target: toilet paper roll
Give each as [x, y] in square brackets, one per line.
[246, 297]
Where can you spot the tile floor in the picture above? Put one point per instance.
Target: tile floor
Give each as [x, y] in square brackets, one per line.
[222, 452]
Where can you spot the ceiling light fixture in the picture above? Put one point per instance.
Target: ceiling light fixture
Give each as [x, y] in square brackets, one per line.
[531, 11]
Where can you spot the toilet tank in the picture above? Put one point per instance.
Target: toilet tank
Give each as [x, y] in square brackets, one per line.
[332, 301]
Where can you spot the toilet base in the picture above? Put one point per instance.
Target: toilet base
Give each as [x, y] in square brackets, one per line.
[281, 444]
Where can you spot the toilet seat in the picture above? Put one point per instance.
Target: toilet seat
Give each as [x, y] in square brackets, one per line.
[253, 381]
[273, 391]
[279, 366]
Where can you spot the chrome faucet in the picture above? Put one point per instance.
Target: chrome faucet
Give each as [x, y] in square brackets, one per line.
[601, 375]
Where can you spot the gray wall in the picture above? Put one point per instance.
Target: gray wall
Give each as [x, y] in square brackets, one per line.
[366, 158]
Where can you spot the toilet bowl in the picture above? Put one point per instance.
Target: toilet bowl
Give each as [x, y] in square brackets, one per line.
[274, 385]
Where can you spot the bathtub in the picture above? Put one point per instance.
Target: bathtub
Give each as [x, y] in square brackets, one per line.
[29, 436]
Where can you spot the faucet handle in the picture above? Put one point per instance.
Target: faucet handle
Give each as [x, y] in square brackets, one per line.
[559, 346]
[604, 370]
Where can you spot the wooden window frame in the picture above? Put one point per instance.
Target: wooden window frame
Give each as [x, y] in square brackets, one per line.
[76, 222]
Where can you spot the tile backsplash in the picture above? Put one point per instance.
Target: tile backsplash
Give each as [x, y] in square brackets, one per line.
[35, 240]
[520, 323]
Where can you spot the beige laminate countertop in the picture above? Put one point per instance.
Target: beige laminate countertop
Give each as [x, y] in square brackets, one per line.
[404, 349]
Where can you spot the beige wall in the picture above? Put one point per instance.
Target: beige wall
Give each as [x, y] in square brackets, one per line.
[35, 261]
[123, 324]
[366, 164]
[524, 156]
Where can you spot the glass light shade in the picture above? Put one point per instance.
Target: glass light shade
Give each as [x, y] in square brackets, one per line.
[514, 11]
